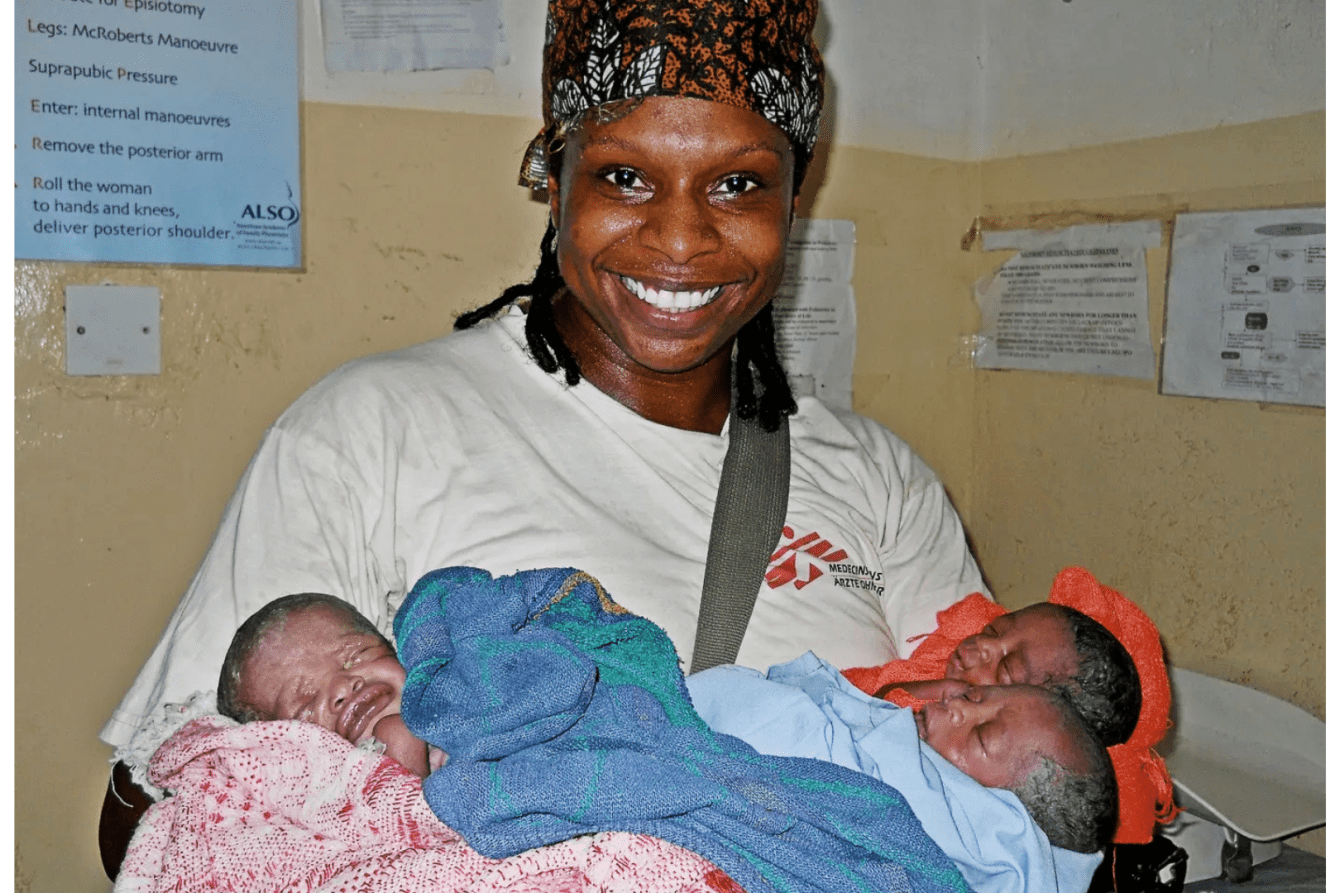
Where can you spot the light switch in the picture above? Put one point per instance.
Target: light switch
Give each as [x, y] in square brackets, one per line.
[112, 330]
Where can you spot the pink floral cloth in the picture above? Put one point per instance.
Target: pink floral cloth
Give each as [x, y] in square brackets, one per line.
[289, 806]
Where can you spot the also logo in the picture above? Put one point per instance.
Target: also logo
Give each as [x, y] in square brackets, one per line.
[287, 213]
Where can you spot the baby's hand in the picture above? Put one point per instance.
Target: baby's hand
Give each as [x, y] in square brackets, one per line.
[401, 745]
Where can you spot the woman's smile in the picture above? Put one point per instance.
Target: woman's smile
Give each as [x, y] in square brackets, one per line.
[669, 298]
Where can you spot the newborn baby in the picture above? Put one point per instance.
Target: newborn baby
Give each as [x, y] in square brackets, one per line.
[1007, 779]
[315, 658]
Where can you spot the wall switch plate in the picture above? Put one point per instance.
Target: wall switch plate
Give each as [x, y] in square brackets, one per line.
[112, 330]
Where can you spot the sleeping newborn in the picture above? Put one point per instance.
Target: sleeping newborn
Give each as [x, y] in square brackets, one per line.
[1007, 780]
[1021, 738]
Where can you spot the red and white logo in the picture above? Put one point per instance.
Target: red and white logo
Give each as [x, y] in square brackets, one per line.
[797, 561]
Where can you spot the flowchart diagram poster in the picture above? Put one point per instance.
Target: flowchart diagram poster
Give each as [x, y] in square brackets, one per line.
[1246, 317]
[157, 131]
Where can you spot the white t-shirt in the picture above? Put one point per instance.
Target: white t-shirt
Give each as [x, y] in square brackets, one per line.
[462, 451]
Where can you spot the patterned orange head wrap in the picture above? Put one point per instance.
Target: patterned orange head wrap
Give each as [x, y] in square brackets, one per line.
[1144, 789]
[755, 54]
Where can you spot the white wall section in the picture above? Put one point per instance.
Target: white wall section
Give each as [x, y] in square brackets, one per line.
[967, 79]
[1060, 75]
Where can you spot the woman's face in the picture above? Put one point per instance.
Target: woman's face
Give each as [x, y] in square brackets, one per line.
[672, 225]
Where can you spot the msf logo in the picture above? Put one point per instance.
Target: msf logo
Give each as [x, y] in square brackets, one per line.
[797, 561]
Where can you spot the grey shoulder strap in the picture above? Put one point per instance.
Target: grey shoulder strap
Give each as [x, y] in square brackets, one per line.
[746, 524]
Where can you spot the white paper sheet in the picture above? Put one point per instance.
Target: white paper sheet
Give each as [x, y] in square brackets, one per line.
[1072, 300]
[815, 310]
[163, 132]
[1246, 315]
[411, 35]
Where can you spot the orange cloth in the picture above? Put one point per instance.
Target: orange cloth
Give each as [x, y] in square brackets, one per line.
[1144, 789]
[963, 618]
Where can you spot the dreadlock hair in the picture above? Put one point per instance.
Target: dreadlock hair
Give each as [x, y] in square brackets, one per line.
[1106, 689]
[756, 360]
[254, 630]
[542, 337]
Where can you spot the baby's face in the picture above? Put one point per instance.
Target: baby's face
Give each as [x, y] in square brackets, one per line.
[317, 669]
[995, 733]
[1031, 646]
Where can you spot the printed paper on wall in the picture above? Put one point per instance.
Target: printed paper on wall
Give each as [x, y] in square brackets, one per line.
[157, 131]
[1246, 316]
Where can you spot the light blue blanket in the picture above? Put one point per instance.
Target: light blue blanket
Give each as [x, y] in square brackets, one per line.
[563, 715]
[805, 708]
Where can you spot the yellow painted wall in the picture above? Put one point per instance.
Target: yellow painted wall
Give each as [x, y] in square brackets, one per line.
[120, 482]
[1209, 513]
[412, 216]
[911, 284]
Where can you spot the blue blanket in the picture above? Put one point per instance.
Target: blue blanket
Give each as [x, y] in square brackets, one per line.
[805, 708]
[562, 714]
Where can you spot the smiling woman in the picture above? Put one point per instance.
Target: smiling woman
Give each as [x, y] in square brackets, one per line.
[671, 234]
[728, 87]
[588, 425]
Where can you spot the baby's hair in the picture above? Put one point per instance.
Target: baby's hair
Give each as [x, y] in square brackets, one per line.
[253, 631]
[1106, 688]
[1076, 806]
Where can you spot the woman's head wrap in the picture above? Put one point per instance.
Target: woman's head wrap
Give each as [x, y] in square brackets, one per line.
[1145, 791]
[754, 54]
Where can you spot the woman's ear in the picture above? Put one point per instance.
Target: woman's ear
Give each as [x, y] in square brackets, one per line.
[553, 200]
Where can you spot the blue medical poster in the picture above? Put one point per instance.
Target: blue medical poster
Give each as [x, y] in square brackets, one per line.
[157, 131]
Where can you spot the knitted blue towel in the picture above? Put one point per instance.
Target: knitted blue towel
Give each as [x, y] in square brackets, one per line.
[563, 714]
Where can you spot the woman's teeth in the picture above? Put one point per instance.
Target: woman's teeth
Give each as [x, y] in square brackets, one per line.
[670, 300]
